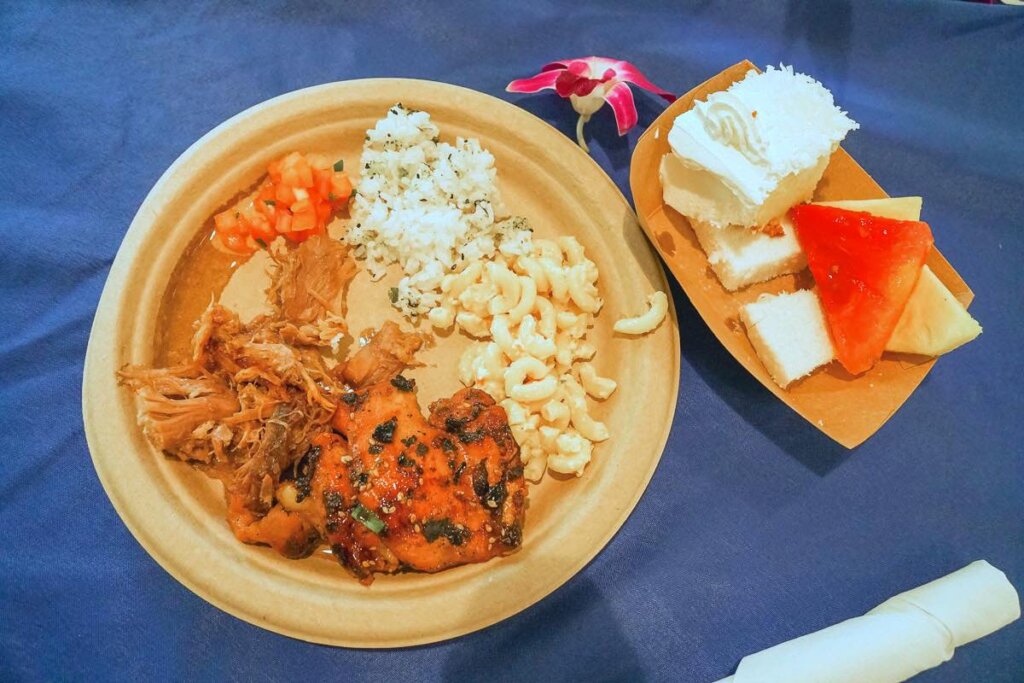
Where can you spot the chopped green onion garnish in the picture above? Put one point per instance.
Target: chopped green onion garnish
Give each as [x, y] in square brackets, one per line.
[261, 243]
[393, 294]
[367, 519]
[339, 165]
[269, 202]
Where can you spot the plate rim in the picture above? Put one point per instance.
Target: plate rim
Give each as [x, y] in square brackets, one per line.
[107, 311]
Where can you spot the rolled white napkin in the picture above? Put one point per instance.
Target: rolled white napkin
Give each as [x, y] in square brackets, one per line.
[900, 638]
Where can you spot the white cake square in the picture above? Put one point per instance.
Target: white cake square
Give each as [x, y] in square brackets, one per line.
[789, 333]
[749, 153]
[745, 256]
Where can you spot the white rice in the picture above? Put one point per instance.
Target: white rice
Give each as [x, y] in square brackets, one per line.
[429, 206]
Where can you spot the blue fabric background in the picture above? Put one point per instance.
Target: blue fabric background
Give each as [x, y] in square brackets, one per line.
[755, 528]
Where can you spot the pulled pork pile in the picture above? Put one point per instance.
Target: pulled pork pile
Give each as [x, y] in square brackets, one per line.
[253, 396]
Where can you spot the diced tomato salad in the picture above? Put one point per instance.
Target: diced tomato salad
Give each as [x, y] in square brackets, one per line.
[296, 200]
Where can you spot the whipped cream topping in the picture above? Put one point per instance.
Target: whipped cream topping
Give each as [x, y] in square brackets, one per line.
[729, 120]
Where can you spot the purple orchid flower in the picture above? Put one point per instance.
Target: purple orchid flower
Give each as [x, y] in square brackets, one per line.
[590, 82]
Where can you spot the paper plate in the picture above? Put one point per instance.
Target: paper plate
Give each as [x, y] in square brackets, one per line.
[177, 514]
[846, 408]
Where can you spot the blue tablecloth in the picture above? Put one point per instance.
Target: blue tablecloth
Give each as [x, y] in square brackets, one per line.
[755, 528]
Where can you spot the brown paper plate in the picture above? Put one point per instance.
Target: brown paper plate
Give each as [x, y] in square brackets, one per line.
[177, 514]
[848, 409]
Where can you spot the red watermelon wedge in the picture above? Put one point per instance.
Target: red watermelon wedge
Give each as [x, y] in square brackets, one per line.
[865, 267]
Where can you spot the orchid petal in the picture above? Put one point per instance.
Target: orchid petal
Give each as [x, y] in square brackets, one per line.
[565, 83]
[569, 84]
[542, 81]
[585, 86]
[627, 72]
[555, 66]
[600, 65]
[620, 97]
[579, 68]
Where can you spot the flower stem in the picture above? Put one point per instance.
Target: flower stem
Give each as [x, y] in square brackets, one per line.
[579, 132]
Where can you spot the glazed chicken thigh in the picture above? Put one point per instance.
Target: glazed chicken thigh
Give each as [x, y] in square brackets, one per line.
[401, 491]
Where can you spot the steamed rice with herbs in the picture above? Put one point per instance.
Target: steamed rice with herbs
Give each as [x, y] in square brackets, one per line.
[430, 206]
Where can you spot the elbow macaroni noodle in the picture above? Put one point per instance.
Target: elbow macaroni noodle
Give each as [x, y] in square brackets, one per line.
[531, 313]
[644, 323]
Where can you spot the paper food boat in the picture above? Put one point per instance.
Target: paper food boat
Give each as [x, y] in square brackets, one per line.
[848, 409]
